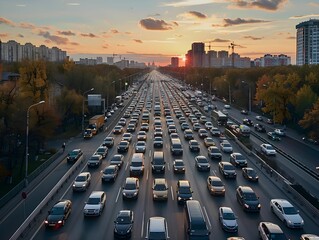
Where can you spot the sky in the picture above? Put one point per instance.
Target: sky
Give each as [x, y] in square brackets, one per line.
[156, 30]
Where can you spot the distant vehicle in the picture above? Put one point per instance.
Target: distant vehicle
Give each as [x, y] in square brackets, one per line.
[123, 224]
[280, 132]
[259, 118]
[270, 121]
[227, 169]
[127, 137]
[215, 186]
[58, 214]
[219, 117]
[108, 142]
[248, 122]
[179, 166]
[214, 153]
[267, 149]
[117, 159]
[238, 160]
[250, 174]
[184, 191]
[202, 133]
[74, 155]
[259, 128]
[273, 136]
[118, 129]
[140, 147]
[160, 189]
[226, 147]
[110, 173]
[227, 106]
[209, 125]
[96, 124]
[95, 160]
[158, 142]
[131, 188]
[194, 146]
[202, 163]
[123, 146]
[209, 142]
[244, 112]
[157, 229]
[102, 151]
[196, 127]
[215, 132]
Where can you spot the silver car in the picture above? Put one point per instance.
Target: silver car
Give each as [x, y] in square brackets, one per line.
[227, 219]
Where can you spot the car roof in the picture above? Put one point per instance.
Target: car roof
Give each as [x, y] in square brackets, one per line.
[157, 224]
[96, 194]
[283, 202]
[246, 189]
[227, 209]
[83, 173]
[214, 178]
[124, 213]
[184, 183]
[130, 180]
[160, 181]
[273, 228]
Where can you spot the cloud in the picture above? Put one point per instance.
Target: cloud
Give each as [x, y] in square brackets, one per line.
[304, 16]
[7, 22]
[138, 41]
[187, 3]
[73, 4]
[220, 40]
[27, 25]
[90, 35]
[66, 33]
[56, 39]
[21, 5]
[154, 24]
[20, 35]
[197, 14]
[270, 5]
[114, 31]
[239, 21]
[3, 35]
[253, 38]
[106, 46]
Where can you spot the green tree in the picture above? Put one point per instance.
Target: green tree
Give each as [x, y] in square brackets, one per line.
[310, 121]
[305, 98]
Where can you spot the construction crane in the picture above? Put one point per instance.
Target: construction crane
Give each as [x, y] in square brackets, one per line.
[232, 45]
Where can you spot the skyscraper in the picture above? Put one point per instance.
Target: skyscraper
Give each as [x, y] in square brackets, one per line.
[308, 42]
[198, 51]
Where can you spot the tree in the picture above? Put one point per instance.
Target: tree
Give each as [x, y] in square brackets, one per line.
[305, 98]
[310, 121]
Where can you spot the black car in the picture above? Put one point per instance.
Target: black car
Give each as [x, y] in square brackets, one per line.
[123, 224]
[74, 155]
[108, 142]
[244, 112]
[259, 128]
[123, 146]
[117, 159]
[214, 153]
[250, 174]
[184, 191]
[58, 214]
[270, 121]
[179, 166]
[110, 173]
[202, 163]
[194, 146]
[247, 198]
[273, 136]
[248, 122]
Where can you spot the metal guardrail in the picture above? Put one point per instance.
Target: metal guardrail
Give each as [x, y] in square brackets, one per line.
[44, 202]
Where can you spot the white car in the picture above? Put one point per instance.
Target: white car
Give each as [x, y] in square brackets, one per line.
[287, 213]
[95, 204]
[226, 147]
[259, 118]
[82, 181]
[270, 231]
[309, 237]
[227, 106]
[280, 132]
[208, 125]
[267, 149]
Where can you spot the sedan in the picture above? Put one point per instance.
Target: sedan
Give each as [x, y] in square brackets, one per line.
[215, 132]
[209, 142]
[127, 137]
[202, 133]
[250, 174]
[117, 159]
[259, 128]
[118, 129]
[248, 122]
[102, 151]
[196, 127]
[215, 186]
[188, 134]
[58, 214]
[227, 219]
[267, 149]
[160, 189]
[158, 142]
[238, 160]
[141, 136]
[123, 146]
[227, 169]
[179, 166]
[226, 147]
[280, 132]
[140, 147]
[108, 142]
[144, 127]
[259, 118]
[202, 163]
[184, 126]
[74, 155]
[273, 136]
[270, 231]
[209, 125]
[194, 146]
[130, 128]
[123, 224]
[110, 173]
[82, 181]
[287, 213]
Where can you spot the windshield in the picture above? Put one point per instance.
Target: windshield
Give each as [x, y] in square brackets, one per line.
[229, 216]
[160, 187]
[57, 211]
[130, 186]
[136, 164]
[290, 210]
[109, 171]
[217, 183]
[180, 164]
[250, 196]
[184, 190]
[202, 160]
[123, 220]
[229, 167]
[277, 236]
[93, 201]
[80, 179]
[157, 235]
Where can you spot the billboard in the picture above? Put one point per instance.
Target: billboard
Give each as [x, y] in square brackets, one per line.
[94, 100]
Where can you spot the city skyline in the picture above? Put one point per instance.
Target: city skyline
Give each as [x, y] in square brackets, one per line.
[148, 31]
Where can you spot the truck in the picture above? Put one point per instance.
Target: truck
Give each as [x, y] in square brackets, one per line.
[219, 117]
[96, 123]
[118, 100]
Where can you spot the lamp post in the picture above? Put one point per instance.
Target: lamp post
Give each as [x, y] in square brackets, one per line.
[83, 107]
[27, 142]
[229, 92]
[249, 95]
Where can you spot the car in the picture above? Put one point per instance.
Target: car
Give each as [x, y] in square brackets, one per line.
[160, 189]
[122, 122]
[248, 122]
[226, 147]
[118, 129]
[131, 188]
[259, 128]
[185, 126]
[214, 153]
[267, 149]
[194, 146]
[158, 142]
[244, 112]
[227, 106]
[259, 118]
[58, 214]
[157, 229]
[201, 163]
[110, 173]
[82, 182]
[127, 137]
[108, 142]
[131, 128]
[280, 132]
[215, 186]
[74, 155]
[140, 147]
[141, 136]
[95, 160]
[123, 146]
[227, 169]
[215, 132]
[270, 121]
[247, 198]
[102, 151]
[144, 127]
[203, 119]
[209, 142]
[202, 133]
[178, 166]
[196, 127]
[238, 160]
[123, 224]
[184, 191]
[117, 159]
[95, 204]
[228, 219]
[250, 174]
[171, 129]
[209, 125]
[287, 213]
[225, 111]
[270, 231]
[309, 237]
[273, 136]
[158, 132]
[188, 134]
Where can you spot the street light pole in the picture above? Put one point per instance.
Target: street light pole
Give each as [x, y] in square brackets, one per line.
[229, 92]
[249, 97]
[27, 142]
[83, 107]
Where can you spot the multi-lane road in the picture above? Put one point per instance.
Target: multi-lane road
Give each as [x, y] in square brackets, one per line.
[80, 227]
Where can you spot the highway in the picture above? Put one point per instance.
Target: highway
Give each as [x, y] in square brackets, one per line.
[80, 227]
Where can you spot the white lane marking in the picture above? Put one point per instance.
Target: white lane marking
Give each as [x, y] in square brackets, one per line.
[168, 168]
[210, 226]
[214, 172]
[150, 153]
[126, 166]
[118, 194]
[142, 229]
[172, 193]
[146, 175]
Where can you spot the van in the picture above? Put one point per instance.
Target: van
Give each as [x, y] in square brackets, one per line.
[158, 162]
[137, 164]
[195, 223]
[176, 147]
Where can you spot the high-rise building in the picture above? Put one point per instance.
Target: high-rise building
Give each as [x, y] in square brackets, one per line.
[198, 52]
[174, 62]
[308, 42]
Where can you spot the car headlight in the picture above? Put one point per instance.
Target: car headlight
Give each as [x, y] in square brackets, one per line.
[115, 230]
[259, 205]
[73, 185]
[134, 194]
[179, 198]
[246, 205]
[124, 194]
[46, 222]
[83, 185]
[191, 198]
[60, 221]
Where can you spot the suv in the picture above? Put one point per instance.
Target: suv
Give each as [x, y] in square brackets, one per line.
[247, 198]
[74, 155]
[215, 186]
[227, 169]
[131, 188]
[158, 162]
[123, 224]
[176, 147]
[95, 204]
[238, 160]
[184, 191]
[157, 228]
